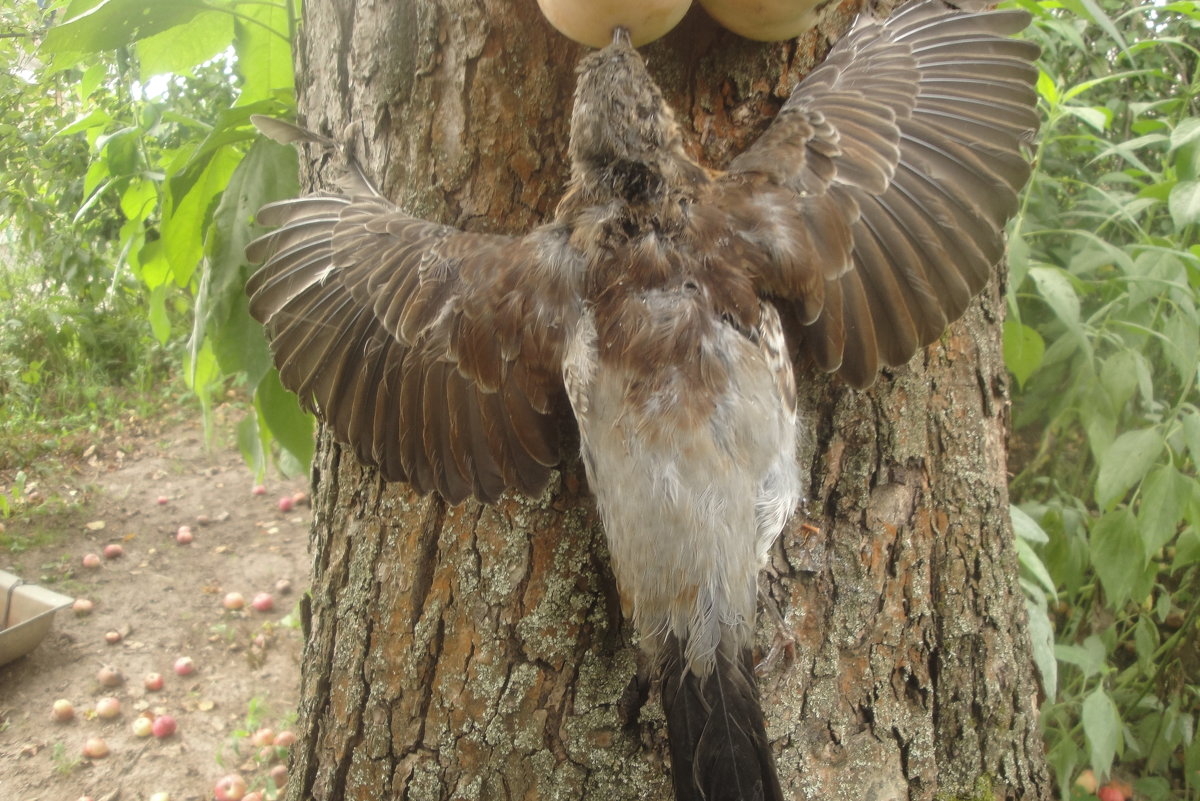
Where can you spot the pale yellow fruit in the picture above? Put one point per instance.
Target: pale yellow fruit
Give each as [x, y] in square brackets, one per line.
[591, 22]
[764, 20]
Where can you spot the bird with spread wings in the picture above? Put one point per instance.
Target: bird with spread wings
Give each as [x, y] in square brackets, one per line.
[663, 303]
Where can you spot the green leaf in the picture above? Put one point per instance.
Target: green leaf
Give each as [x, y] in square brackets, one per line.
[1164, 495]
[111, 24]
[1102, 727]
[1033, 564]
[1187, 550]
[1089, 657]
[1187, 132]
[1119, 377]
[1145, 640]
[1025, 527]
[1047, 89]
[1184, 203]
[160, 324]
[251, 445]
[1023, 350]
[95, 119]
[267, 173]
[1190, 418]
[264, 52]
[1185, 148]
[179, 49]
[1119, 557]
[139, 199]
[184, 225]
[1125, 463]
[281, 411]
[1181, 343]
[1056, 289]
[1097, 117]
[1041, 638]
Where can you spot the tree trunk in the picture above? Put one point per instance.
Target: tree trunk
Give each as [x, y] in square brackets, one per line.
[477, 652]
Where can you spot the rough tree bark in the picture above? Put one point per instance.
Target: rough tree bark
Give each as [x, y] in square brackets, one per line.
[477, 652]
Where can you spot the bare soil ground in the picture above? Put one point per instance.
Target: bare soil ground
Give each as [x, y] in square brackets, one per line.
[166, 601]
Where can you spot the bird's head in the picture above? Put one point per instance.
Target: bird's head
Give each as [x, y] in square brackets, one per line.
[623, 134]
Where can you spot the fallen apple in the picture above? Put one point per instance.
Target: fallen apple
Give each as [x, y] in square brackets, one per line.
[142, 726]
[233, 601]
[153, 682]
[109, 676]
[62, 710]
[91, 560]
[108, 707]
[230, 788]
[263, 602]
[95, 748]
[82, 606]
[263, 737]
[184, 666]
[163, 726]
[113, 551]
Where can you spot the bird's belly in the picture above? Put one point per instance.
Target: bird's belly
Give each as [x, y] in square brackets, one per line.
[689, 476]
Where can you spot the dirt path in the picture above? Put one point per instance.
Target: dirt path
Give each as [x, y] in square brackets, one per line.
[165, 599]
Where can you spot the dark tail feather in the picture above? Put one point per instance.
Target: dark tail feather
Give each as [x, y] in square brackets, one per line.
[719, 749]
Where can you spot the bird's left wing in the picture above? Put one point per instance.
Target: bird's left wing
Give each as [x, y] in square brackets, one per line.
[873, 207]
[434, 353]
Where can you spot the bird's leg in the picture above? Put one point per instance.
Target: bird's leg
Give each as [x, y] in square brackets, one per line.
[621, 36]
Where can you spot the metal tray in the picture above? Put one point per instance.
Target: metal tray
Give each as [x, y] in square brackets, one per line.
[26, 615]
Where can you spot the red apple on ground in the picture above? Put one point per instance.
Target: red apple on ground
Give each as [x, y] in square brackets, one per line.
[230, 788]
[109, 676]
[108, 707]
[95, 748]
[163, 726]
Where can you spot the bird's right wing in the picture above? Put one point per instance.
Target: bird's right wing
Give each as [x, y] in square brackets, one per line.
[434, 353]
[873, 207]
